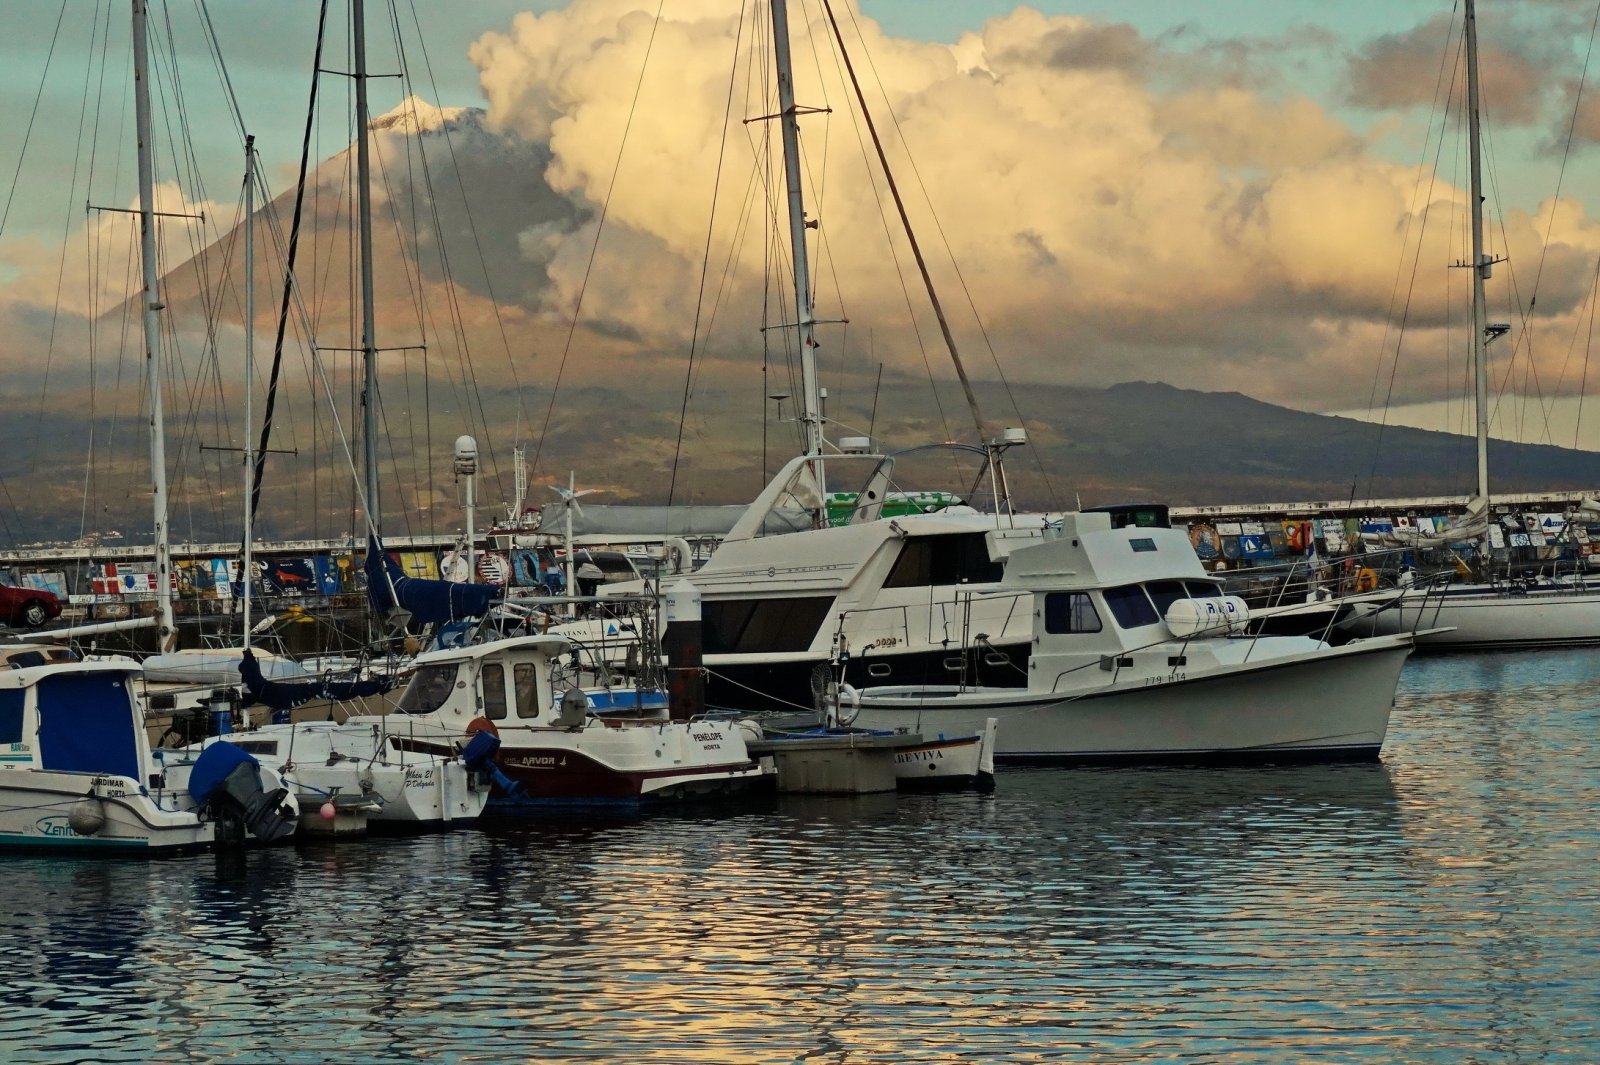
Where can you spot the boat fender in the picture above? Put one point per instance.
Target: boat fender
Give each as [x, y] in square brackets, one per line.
[87, 816]
[849, 704]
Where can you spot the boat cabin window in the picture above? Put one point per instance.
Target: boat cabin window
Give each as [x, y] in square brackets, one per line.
[1130, 606]
[11, 700]
[950, 558]
[493, 679]
[40, 657]
[430, 686]
[749, 626]
[526, 677]
[1203, 589]
[1165, 593]
[266, 747]
[1070, 612]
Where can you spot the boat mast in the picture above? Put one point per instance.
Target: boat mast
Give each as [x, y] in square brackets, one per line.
[246, 560]
[369, 349]
[1481, 264]
[167, 630]
[810, 396]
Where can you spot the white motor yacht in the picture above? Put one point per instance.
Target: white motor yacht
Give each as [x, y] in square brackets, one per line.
[1139, 657]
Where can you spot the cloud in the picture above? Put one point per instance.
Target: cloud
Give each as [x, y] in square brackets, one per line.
[1415, 68]
[1111, 218]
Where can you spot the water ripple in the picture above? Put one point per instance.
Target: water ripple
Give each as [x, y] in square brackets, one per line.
[1437, 908]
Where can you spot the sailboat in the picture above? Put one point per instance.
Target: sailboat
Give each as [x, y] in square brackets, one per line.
[355, 766]
[1486, 614]
[78, 772]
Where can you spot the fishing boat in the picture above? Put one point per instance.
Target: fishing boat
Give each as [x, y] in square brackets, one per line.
[562, 747]
[1508, 612]
[78, 773]
[1139, 657]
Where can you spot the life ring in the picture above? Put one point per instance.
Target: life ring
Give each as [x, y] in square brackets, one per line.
[1294, 536]
[1366, 580]
[482, 724]
[848, 697]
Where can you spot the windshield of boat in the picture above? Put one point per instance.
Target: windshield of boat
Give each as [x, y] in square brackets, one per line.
[430, 686]
[1134, 605]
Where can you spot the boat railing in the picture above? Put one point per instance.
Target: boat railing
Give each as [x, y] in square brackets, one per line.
[950, 624]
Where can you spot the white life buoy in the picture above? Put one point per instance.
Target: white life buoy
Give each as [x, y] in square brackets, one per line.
[848, 697]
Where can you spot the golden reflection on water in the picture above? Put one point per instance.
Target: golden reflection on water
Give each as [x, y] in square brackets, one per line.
[1437, 907]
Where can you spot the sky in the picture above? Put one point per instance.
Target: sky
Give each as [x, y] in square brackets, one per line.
[1230, 196]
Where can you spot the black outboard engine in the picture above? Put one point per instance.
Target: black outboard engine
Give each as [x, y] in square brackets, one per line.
[228, 781]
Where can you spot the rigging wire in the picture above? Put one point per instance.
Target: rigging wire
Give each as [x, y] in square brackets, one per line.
[271, 401]
[1445, 87]
[477, 243]
[705, 260]
[600, 226]
[916, 173]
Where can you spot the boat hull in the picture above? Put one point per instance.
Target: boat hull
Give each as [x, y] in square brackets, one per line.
[947, 763]
[1491, 618]
[1328, 706]
[35, 811]
[620, 764]
[754, 685]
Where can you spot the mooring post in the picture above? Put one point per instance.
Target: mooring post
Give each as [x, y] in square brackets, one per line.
[686, 684]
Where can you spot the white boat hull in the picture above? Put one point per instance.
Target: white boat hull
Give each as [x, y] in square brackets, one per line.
[322, 761]
[1483, 618]
[948, 762]
[1329, 705]
[36, 807]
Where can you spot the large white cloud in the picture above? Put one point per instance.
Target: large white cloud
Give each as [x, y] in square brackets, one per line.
[1117, 215]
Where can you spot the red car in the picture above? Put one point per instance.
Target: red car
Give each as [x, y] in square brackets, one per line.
[27, 606]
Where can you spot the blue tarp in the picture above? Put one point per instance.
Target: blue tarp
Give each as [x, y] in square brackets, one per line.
[212, 769]
[428, 601]
[86, 725]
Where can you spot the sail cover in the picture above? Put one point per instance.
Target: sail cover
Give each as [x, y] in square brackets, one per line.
[288, 694]
[428, 601]
[1473, 525]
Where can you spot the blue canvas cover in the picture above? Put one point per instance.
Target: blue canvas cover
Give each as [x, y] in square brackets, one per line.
[87, 725]
[288, 694]
[428, 601]
[213, 767]
[11, 704]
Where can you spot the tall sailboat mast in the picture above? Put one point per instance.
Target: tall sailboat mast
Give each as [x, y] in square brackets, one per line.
[369, 343]
[1481, 264]
[247, 559]
[167, 631]
[788, 122]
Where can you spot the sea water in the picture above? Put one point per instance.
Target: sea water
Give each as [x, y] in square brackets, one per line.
[1438, 907]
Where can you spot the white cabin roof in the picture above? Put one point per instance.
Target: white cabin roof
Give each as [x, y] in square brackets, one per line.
[1088, 553]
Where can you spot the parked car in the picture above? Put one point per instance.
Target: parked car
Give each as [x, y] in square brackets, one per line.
[27, 606]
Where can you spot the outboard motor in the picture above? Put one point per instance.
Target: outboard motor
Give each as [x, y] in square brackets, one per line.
[228, 781]
[479, 757]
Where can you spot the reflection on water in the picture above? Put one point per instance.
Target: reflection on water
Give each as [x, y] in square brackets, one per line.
[1439, 907]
